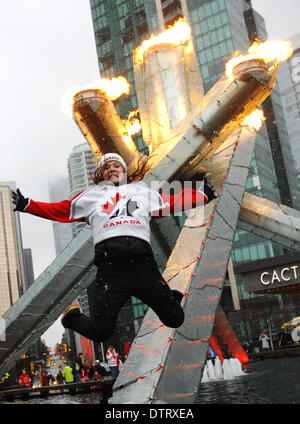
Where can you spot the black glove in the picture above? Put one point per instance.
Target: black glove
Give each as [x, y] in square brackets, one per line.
[209, 191]
[19, 201]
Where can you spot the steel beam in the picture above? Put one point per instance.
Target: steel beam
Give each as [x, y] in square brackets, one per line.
[273, 221]
[43, 302]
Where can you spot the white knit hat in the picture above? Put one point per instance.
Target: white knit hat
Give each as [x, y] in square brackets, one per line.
[112, 156]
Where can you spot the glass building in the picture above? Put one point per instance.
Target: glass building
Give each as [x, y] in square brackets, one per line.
[59, 189]
[12, 270]
[289, 83]
[219, 27]
[28, 265]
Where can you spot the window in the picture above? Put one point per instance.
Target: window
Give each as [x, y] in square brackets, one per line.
[108, 60]
[246, 253]
[103, 35]
[207, 11]
[122, 10]
[249, 183]
[253, 252]
[256, 181]
[261, 251]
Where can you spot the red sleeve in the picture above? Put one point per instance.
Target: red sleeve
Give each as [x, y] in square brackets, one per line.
[59, 211]
[187, 199]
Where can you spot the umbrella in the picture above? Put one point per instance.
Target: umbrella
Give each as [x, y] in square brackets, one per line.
[292, 323]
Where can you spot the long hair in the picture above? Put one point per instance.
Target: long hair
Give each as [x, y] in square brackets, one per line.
[142, 168]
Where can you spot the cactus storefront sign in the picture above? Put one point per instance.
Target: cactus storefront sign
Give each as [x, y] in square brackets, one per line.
[278, 279]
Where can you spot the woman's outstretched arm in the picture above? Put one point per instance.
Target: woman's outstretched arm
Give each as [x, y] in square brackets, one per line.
[59, 211]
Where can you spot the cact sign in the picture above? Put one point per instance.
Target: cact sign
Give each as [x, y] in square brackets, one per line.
[276, 278]
[283, 275]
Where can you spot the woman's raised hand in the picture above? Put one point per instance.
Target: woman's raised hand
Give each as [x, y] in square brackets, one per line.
[19, 201]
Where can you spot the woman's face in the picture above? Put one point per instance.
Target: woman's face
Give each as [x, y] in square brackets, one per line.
[113, 171]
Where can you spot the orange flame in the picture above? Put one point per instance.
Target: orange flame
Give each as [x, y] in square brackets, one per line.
[132, 124]
[255, 119]
[114, 88]
[271, 51]
[177, 34]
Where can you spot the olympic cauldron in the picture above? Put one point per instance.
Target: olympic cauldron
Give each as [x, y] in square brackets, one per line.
[183, 129]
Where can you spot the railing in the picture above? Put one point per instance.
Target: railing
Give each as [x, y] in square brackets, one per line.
[105, 385]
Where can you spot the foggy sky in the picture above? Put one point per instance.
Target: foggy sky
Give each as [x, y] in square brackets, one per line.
[46, 48]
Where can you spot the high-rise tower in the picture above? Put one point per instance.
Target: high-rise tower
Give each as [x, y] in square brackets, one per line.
[80, 169]
[289, 84]
[59, 189]
[12, 275]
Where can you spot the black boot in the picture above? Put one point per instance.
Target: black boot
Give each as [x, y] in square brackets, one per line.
[178, 295]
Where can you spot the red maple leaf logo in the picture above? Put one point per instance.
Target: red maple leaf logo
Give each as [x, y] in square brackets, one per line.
[110, 206]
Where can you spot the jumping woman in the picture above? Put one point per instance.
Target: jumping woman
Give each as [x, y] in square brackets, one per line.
[119, 209]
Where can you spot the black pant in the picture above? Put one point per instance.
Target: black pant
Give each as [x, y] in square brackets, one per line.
[118, 279]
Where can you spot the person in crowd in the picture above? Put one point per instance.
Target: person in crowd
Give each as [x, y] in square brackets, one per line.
[247, 348]
[119, 362]
[284, 338]
[68, 374]
[112, 360]
[264, 339]
[59, 378]
[78, 367]
[51, 380]
[6, 383]
[79, 363]
[84, 376]
[77, 376]
[90, 370]
[102, 371]
[119, 209]
[24, 379]
[44, 379]
[96, 377]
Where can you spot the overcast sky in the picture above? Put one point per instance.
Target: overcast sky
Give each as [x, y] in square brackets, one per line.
[46, 47]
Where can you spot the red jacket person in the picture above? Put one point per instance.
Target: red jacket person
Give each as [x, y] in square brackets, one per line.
[24, 379]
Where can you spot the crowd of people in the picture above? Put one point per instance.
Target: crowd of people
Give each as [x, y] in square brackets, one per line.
[78, 371]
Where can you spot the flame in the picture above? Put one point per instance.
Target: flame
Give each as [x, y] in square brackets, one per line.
[271, 51]
[177, 34]
[114, 88]
[132, 124]
[255, 119]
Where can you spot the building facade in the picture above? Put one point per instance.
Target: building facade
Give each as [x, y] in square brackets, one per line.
[59, 189]
[28, 265]
[219, 27]
[289, 84]
[12, 276]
